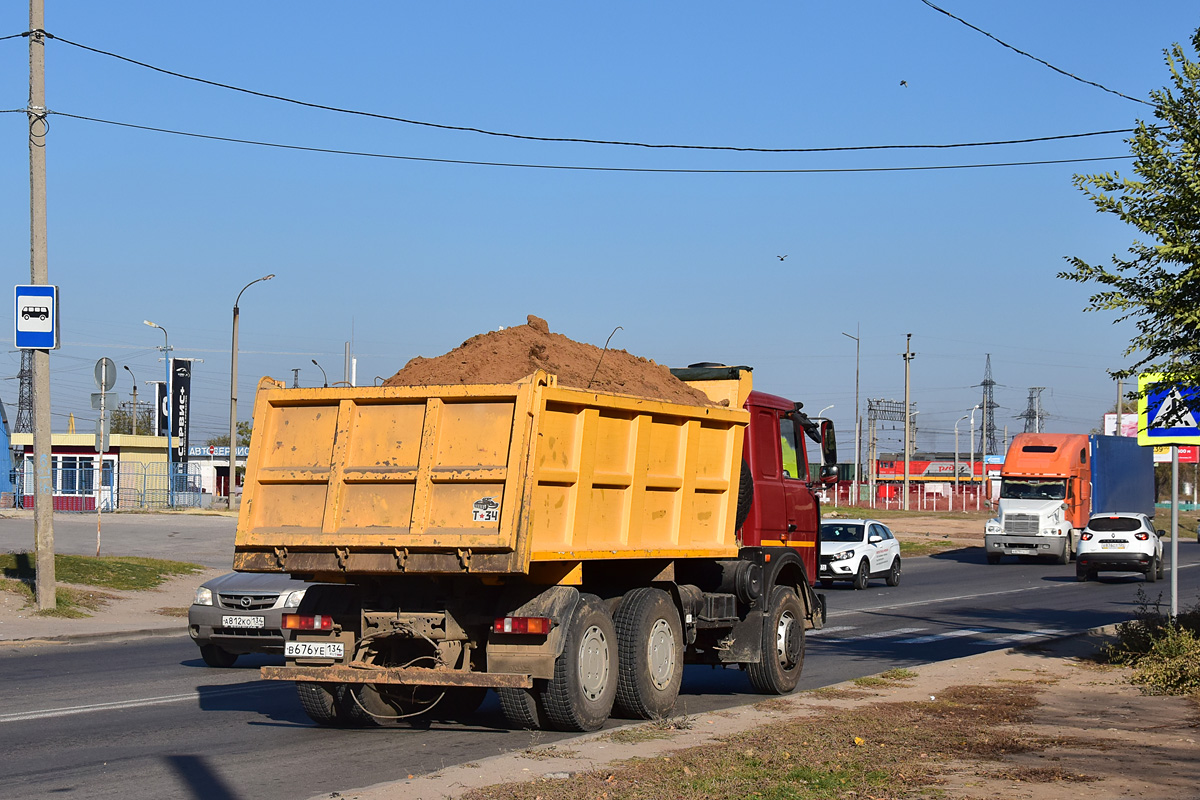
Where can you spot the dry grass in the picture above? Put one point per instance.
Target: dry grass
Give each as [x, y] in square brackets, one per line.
[884, 751]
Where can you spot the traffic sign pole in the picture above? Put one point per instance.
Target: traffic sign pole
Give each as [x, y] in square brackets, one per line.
[1174, 531]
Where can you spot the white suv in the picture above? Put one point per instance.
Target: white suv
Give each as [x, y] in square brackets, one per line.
[858, 550]
[1119, 542]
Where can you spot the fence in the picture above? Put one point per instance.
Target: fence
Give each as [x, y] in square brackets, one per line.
[123, 486]
[921, 497]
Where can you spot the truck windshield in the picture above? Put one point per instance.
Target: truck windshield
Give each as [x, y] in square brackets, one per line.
[1032, 489]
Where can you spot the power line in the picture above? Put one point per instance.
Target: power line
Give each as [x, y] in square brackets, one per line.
[1035, 58]
[575, 140]
[581, 167]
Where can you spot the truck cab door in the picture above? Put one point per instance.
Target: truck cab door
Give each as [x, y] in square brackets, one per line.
[801, 511]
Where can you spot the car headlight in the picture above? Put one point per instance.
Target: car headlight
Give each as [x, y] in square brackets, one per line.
[293, 600]
[842, 556]
[203, 596]
[992, 526]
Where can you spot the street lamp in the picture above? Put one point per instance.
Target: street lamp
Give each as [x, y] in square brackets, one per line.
[823, 410]
[166, 348]
[233, 393]
[960, 419]
[324, 378]
[857, 418]
[972, 457]
[133, 429]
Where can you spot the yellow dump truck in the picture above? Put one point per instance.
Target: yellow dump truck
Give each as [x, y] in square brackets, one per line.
[569, 549]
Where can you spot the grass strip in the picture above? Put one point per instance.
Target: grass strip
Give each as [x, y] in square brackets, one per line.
[886, 750]
[125, 573]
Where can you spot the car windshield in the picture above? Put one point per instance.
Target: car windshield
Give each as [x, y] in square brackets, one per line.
[842, 533]
[1106, 524]
[1032, 489]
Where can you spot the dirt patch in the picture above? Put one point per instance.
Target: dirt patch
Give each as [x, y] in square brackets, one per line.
[510, 354]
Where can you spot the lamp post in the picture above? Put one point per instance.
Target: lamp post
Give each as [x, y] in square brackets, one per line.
[971, 463]
[133, 424]
[324, 377]
[823, 410]
[857, 418]
[233, 393]
[166, 348]
[960, 419]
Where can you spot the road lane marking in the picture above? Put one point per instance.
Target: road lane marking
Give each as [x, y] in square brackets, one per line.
[937, 637]
[51, 713]
[1021, 637]
[883, 634]
[833, 629]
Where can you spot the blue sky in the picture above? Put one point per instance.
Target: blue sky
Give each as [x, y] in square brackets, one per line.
[407, 258]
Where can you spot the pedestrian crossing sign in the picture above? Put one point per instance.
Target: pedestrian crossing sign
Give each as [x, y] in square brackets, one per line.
[1168, 413]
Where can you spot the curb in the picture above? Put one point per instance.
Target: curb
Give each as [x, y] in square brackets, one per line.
[99, 636]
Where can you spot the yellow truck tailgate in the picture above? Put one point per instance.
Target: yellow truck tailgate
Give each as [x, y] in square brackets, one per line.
[482, 478]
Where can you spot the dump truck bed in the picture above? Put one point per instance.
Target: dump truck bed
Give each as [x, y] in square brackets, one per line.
[483, 479]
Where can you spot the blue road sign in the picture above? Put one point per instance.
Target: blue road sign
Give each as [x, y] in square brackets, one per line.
[35, 317]
[1168, 413]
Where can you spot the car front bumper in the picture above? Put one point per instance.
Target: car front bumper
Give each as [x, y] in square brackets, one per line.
[205, 626]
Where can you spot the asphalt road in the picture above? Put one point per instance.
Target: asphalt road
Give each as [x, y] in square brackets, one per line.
[145, 719]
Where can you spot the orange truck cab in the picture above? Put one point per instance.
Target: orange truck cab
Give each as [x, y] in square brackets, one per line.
[1052, 483]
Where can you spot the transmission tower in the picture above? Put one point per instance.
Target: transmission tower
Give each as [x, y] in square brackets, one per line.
[25, 397]
[1033, 415]
[987, 432]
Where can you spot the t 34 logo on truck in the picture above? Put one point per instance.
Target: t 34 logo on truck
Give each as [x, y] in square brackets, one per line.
[485, 509]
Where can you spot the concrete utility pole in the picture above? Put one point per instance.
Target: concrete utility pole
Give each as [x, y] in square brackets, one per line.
[233, 359]
[39, 273]
[133, 424]
[857, 417]
[908, 357]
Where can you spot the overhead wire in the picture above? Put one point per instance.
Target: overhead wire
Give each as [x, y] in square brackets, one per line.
[1043, 62]
[577, 140]
[582, 167]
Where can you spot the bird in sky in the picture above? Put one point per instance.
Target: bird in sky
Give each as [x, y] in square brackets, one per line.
[904, 84]
[781, 258]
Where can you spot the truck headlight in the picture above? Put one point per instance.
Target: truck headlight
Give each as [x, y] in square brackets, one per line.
[992, 526]
[1049, 531]
[203, 596]
[842, 556]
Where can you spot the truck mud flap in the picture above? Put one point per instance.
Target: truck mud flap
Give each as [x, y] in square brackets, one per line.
[407, 676]
[507, 653]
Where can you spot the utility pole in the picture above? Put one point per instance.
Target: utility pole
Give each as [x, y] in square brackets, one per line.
[39, 273]
[908, 357]
[857, 416]
[296, 378]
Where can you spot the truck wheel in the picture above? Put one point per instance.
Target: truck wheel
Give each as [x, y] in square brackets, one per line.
[1065, 556]
[321, 702]
[217, 657]
[650, 654]
[778, 671]
[745, 495]
[993, 558]
[863, 576]
[893, 576]
[1152, 570]
[522, 708]
[580, 696]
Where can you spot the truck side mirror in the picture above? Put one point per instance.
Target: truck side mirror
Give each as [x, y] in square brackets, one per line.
[828, 444]
[829, 475]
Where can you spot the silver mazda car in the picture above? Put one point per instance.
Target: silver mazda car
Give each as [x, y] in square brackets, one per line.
[240, 613]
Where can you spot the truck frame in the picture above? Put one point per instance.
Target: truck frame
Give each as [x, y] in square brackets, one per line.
[570, 549]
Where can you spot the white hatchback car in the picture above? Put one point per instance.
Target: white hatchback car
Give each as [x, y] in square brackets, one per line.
[1119, 542]
[858, 550]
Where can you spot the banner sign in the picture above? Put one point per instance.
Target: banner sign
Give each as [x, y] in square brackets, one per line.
[160, 408]
[181, 393]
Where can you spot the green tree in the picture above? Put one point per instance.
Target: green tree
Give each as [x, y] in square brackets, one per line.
[243, 429]
[1158, 284]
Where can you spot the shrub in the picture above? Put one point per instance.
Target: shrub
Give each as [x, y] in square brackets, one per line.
[1163, 651]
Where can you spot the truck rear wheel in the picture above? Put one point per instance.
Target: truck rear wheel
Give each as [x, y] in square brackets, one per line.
[522, 708]
[580, 696]
[650, 651]
[329, 704]
[778, 671]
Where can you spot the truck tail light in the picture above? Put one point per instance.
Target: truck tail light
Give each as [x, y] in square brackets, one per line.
[1086, 536]
[538, 625]
[305, 622]
[1141, 536]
